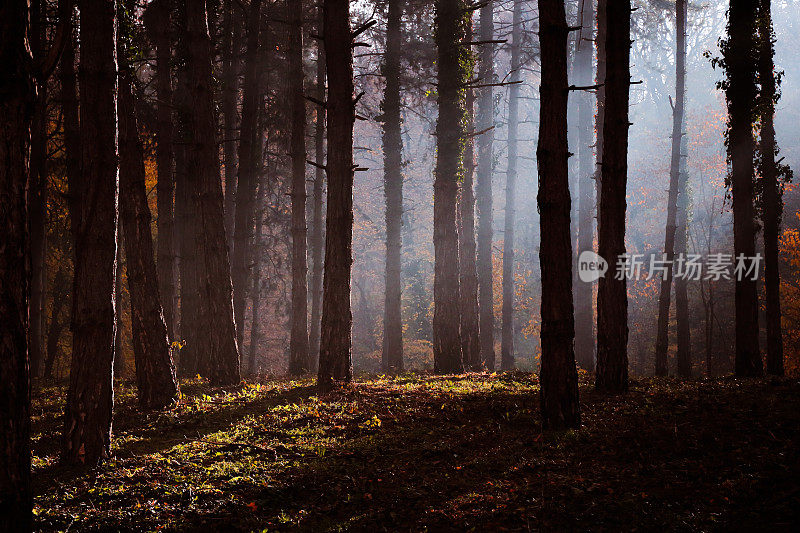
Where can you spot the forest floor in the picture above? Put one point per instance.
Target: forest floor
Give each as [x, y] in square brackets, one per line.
[420, 452]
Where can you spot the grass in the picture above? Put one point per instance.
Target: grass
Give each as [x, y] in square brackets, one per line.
[420, 452]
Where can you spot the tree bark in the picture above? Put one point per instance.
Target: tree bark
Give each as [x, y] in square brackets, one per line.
[60, 296]
[451, 18]
[255, 324]
[584, 308]
[230, 93]
[684, 354]
[485, 123]
[392, 360]
[741, 94]
[507, 342]
[558, 376]
[213, 330]
[298, 344]
[155, 370]
[317, 239]
[335, 362]
[38, 193]
[662, 335]
[612, 299]
[17, 98]
[249, 163]
[157, 18]
[90, 400]
[468, 273]
[772, 203]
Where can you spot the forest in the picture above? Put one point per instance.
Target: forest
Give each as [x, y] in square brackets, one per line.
[399, 265]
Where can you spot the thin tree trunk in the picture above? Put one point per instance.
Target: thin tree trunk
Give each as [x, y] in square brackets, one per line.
[558, 376]
[741, 94]
[392, 360]
[485, 123]
[584, 309]
[157, 18]
[57, 324]
[298, 344]
[258, 244]
[155, 370]
[451, 19]
[599, 120]
[507, 343]
[317, 240]
[662, 335]
[119, 354]
[772, 204]
[684, 355]
[17, 96]
[335, 362]
[90, 400]
[38, 193]
[468, 273]
[249, 160]
[230, 93]
[213, 327]
[612, 298]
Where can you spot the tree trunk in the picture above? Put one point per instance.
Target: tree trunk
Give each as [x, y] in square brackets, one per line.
[38, 193]
[684, 355]
[213, 330]
[507, 343]
[317, 240]
[60, 296]
[584, 308]
[157, 19]
[612, 298]
[662, 335]
[155, 370]
[119, 354]
[249, 162]
[230, 94]
[258, 243]
[599, 118]
[451, 19]
[485, 123]
[772, 204]
[468, 274]
[90, 400]
[741, 93]
[18, 94]
[392, 360]
[298, 345]
[335, 362]
[558, 376]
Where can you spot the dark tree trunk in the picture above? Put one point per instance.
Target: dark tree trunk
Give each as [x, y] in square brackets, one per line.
[599, 118]
[213, 331]
[17, 98]
[87, 421]
[72, 136]
[612, 298]
[485, 123]
[298, 345]
[584, 308]
[157, 18]
[155, 370]
[468, 273]
[451, 20]
[684, 354]
[119, 353]
[38, 193]
[60, 296]
[317, 240]
[559, 377]
[231, 27]
[662, 335]
[249, 163]
[255, 324]
[335, 362]
[772, 204]
[507, 342]
[393, 191]
[741, 93]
